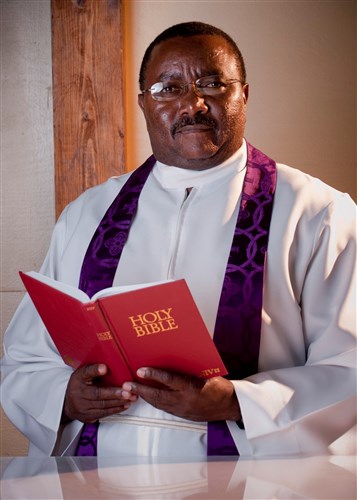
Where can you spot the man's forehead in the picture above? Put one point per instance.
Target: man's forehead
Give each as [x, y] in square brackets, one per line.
[202, 49]
[213, 45]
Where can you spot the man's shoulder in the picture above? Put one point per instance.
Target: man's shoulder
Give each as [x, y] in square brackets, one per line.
[101, 193]
[307, 189]
[304, 205]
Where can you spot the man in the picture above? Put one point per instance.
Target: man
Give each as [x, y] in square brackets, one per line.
[267, 251]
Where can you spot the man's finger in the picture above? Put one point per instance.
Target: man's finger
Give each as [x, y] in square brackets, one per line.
[164, 383]
[90, 372]
[168, 379]
[96, 393]
[105, 404]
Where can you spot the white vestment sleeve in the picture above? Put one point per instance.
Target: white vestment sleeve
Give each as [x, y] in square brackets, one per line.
[34, 375]
[311, 409]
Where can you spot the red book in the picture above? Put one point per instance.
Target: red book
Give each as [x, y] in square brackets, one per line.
[157, 325]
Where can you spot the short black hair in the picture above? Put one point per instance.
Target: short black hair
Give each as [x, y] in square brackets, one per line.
[186, 30]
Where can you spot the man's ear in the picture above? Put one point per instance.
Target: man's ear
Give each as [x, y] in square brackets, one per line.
[246, 92]
[141, 102]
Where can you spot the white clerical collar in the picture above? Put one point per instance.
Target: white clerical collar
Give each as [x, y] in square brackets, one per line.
[175, 177]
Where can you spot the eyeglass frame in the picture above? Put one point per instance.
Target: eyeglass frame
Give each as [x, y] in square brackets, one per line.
[197, 89]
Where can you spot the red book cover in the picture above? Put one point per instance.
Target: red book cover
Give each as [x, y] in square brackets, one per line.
[157, 325]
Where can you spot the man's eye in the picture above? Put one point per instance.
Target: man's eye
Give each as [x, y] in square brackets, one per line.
[214, 85]
[170, 89]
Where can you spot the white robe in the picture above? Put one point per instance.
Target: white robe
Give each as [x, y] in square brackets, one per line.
[302, 400]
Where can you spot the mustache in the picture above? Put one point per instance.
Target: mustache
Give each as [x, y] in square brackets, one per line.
[193, 120]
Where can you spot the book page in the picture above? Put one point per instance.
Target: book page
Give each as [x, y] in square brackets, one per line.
[81, 295]
[125, 288]
[62, 287]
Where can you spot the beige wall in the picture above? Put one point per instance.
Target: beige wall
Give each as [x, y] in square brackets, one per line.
[301, 62]
[27, 194]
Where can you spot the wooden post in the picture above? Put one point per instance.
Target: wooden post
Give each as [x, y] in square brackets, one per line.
[87, 95]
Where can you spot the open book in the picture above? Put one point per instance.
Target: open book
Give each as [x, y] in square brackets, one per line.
[157, 325]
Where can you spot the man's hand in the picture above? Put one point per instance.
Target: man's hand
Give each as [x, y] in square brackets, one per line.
[87, 401]
[187, 397]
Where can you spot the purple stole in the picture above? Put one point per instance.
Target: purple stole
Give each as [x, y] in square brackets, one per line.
[238, 324]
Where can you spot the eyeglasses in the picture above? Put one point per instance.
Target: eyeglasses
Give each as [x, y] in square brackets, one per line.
[212, 85]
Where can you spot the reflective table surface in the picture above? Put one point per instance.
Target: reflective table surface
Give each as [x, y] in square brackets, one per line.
[103, 478]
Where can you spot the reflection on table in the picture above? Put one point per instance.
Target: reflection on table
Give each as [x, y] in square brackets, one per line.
[87, 478]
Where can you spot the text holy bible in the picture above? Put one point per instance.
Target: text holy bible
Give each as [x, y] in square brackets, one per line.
[157, 325]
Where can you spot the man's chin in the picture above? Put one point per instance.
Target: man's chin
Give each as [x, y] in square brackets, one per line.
[193, 156]
[194, 162]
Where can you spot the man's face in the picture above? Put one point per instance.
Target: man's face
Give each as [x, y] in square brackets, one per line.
[191, 131]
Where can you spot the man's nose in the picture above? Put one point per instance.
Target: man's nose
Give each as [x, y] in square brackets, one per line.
[192, 101]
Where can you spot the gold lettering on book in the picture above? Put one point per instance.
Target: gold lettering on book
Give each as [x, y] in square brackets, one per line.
[104, 335]
[210, 371]
[153, 322]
